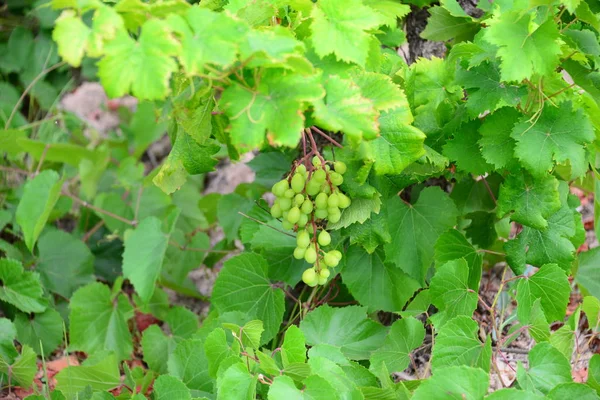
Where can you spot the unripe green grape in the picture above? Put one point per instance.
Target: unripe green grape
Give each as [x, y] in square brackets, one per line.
[336, 179]
[324, 273]
[340, 167]
[333, 210]
[321, 201]
[287, 224]
[285, 203]
[324, 238]
[321, 280]
[276, 210]
[301, 169]
[298, 199]
[337, 254]
[333, 200]
[343, 201]
[293, 215]
[319, 176]
[331, 260]
[284, 214]
[307, 206]
[320, 214]
[325, 188]
[303, 220]
[289, 194]
[313, 187]
[316, 161]
[333, 218]
[280, 187]
[298, 183]
[327, 168]
[303, 238]
[309, 277]
[311, 255]
[299, 253]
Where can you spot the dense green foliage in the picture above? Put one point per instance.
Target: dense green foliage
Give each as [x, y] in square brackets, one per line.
[415, 178]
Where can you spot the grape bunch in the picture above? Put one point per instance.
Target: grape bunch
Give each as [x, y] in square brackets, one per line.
[306, 200]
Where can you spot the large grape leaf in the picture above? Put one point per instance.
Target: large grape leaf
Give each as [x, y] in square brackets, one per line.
[453, 245]
[551, 285]
[371, 233]
[525, 48]
[390, 10]
[144, 66]
[383, 92]
[99, 376]
[416, 228]
[457, 343]
[450, 292]
[21, 288]
[99, 322]
[531, 200]
[347, 328]
[497, 146]
[156, 347]
[314, 388]
[442, 26]
[23, 369]
[454, 383]
[464, 149]
[275, 106]
[43, 332]
[188, 362]
[588, 271]
[560, 134]
[404, 336]
[243, 285]
[375, 284]
[340, 29]
[547, 368]
[169, 387]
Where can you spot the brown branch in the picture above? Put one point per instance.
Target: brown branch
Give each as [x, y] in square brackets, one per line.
[326, 136]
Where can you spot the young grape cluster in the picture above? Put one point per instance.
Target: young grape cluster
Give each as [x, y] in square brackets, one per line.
[305, 200]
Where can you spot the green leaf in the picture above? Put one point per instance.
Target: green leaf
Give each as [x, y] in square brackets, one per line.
[169, 387]
[347, 328]
[100, 376]
[551, 285]
[370, 234]
[275, 107]
[587, 272]
[360, 211]
[389, 10]
[453, 245]
[514, 394]
[591, 308]
[430, 83]
[113, 203]
[442, 26]
[236, 383]
[207, 37]
[341, 30]
[594, 373]
[454, 383]
[97, 322]
[243, 285]
[547, 368]
[404, 336]
[23, 369]
[335, 376]
[524, 48]
[530, 313]
[398, 145]
[559, 134]
[178, 263]
[217, 349]
[143, 257]
[450, 291]
[62, 255]
[8, 334]
[419, 227]
[43, 332]
[144, 66]
[314, 388]
[383, 92]
[21, 288]
[189, 363]
[293, 349]
[463, 148]
[270, 167]
[345, 108]
[182, 322]
[572, 390]
[457, 343]
[71, 35]
[39, 197]
[530, 200]
[375, 284]
[497, 146]
[564, 338]
[157, 347]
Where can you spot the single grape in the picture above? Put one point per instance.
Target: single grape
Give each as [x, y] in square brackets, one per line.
[316, 161]
[303, 220]
[303, 238]
[301, 169]
[336, 178]
[321, 280]
[324, 273]
[340, 167]
[320, 214]
[321, 201]
[325, 188]
[327, 168]
[293, 215]
[319, 176]
[331, 260]
[298, 199]
[324, 238]
[333, 200]
[311, 255]
[343, 201]
[298, 183]
[309, 277]
[276, 210]
[299, 253]
[333, 210]
[337, 254]
[285, 203]
[280, 187]
[307, 206]
[289, 194]
[313, 187]
[333, 218]
[287, 224]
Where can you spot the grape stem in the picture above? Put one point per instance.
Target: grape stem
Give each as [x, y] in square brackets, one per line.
[326, 136]
[314, 225]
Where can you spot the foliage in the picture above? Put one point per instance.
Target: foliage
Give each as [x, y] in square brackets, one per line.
[417, 178]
